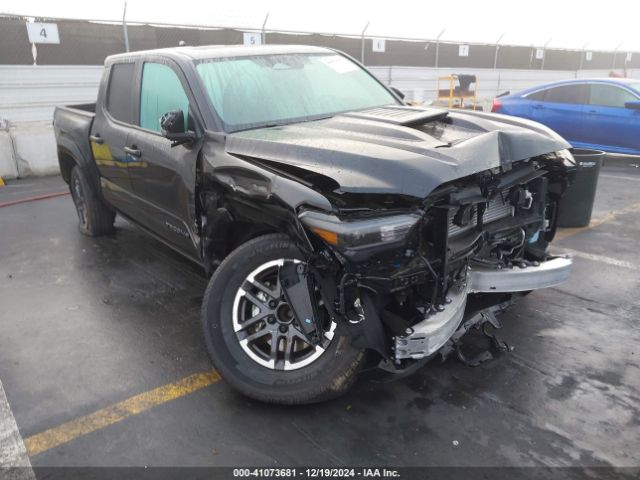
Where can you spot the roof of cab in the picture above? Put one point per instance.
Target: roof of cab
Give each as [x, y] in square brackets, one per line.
[217, 51]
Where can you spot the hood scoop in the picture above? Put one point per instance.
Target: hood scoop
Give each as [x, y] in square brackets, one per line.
[400, 115]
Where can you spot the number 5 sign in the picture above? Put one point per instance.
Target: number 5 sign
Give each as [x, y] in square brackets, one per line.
[252, 38]
[43, 33]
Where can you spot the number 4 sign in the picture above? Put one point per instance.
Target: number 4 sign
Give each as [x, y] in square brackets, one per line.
[43, 33]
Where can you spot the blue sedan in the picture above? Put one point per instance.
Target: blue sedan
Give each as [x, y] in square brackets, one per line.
[592, 113]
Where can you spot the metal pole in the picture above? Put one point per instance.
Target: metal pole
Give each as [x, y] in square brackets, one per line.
[362, 43]
[544, 54]
[582, 54]
[615, 54]
[264, 34]
[438, 46]
[124, 28]
[495, 57]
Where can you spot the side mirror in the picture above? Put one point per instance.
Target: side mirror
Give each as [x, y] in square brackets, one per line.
[397, 92]
[633, 105]
[173, 128]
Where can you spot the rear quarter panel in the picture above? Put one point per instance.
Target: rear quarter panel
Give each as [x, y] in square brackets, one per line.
[72, 127]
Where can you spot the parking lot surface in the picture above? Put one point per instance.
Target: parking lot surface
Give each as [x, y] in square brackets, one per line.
[103, 363]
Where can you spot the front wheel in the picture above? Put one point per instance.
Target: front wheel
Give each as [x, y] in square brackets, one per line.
[255, 341]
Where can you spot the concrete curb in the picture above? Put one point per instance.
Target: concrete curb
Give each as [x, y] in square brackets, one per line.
[27, 150]
[8, 164]
[35, 149]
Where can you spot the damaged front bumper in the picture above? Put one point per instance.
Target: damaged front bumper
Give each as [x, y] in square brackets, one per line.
[428, 336]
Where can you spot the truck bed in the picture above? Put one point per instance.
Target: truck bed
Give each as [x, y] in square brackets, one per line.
[72, 127]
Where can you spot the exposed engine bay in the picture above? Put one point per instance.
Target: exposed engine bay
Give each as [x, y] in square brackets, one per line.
[406, 283]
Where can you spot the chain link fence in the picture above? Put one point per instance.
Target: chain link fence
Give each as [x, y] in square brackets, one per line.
[84, 42]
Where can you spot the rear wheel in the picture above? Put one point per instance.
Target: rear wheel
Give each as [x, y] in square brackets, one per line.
[256, 342]
[94, 217]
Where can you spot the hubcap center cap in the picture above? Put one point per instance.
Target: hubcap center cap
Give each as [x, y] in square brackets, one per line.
[284, 314]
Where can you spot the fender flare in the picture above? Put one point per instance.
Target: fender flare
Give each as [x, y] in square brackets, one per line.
[67, 145]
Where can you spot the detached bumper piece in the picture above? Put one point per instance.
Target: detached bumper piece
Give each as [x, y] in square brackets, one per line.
[547, 274]
[433, 332]
[428, 336]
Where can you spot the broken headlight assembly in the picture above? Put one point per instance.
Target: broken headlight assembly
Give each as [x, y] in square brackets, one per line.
[565, 155]
[361, 234]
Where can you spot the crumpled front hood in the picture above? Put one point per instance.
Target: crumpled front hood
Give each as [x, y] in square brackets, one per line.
[394, 150]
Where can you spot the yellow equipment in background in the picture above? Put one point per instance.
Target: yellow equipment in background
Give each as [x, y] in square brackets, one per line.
[459, 88]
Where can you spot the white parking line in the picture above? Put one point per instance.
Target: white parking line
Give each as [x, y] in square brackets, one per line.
[601, 258]
[13, 454]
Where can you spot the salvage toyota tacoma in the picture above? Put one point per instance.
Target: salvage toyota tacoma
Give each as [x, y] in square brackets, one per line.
[338, 225]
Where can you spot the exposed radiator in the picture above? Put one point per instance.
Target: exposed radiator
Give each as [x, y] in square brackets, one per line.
[499, 207]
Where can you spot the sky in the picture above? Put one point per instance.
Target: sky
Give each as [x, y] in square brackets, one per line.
[595, 25]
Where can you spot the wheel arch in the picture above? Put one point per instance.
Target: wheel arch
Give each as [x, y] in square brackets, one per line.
[66, 161]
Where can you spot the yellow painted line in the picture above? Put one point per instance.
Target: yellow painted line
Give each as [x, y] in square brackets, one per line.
[118, 412]
[596, 222]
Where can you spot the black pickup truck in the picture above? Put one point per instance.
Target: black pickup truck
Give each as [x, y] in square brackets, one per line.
[338, 225]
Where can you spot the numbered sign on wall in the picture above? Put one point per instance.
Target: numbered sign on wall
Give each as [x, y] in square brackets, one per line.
[628, 57]
[588, 56]
[539, 53]
[378, 44]
[252, 38]
[463, 50]
[43, 33]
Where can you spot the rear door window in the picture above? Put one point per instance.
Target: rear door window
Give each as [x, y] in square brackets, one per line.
[573, 94]
[537, 96]
[609, 96]
[161, 92]
[119, 93]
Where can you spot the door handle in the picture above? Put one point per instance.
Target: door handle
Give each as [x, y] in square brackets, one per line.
[538, 106]
[96, 139]
[592, 111]
[134, 152]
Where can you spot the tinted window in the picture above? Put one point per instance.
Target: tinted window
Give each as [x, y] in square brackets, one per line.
[609, 96]
[563, 94]
[539, 96]
[119, 103]
[160, 93]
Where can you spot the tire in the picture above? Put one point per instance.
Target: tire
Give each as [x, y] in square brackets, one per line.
[313, 374]
[94, 217]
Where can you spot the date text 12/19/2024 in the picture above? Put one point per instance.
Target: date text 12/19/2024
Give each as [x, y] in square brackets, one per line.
[315, 473]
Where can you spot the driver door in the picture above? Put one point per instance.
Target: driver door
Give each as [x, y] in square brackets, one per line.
[162, 176]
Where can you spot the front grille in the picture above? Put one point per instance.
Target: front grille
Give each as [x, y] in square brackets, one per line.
[498, 207]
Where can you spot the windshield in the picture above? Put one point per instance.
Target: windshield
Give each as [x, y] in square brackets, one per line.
[274, 89]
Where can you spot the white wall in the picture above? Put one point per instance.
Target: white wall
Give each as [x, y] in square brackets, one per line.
[420, 83]
[28, 95]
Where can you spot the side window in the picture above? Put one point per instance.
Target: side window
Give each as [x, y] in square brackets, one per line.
[609, 96]
[538, 96]
[121, 83]
[567, 94]
[161, 92]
